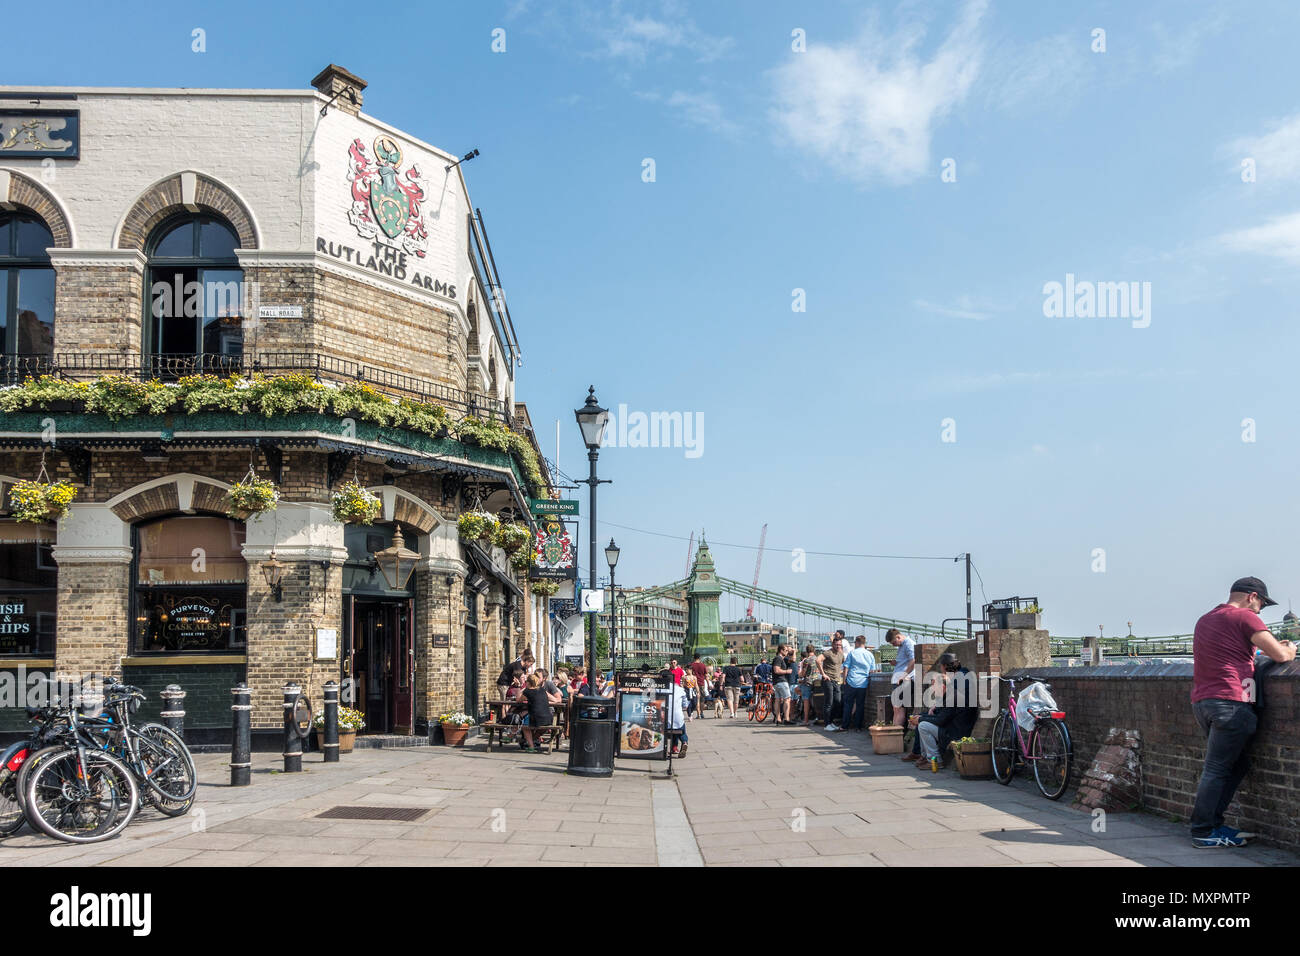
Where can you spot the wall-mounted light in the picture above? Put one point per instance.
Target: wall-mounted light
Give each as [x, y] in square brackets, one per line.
[397, 562]
[273, 572]
[464, 159]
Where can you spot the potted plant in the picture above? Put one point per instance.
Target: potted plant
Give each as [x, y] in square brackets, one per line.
[524, 559]
[886, 738]
[354, 505]
[251, 496]
[510, 537]
[545, 588]
[350, 721]
[974, 757]
[476, 526]
[455, 727]
[39, 501]
[1028, 617]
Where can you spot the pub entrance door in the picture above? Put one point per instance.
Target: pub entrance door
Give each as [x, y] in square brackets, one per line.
[381, 663]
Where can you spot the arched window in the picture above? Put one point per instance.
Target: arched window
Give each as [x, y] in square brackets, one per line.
[191, 585]
[193, 297]
[26, 293]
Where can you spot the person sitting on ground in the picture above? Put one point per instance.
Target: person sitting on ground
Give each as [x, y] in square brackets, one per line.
[539, 710]
[952, 718]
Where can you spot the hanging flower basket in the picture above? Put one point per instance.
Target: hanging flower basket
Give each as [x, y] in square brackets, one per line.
[40, 501]
[511, 537]
[545, 588]
[523, 559]
[251, 496]
[354, 505]
[476, 526]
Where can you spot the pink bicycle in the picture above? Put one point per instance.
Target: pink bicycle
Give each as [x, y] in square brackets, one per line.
[1048, 747]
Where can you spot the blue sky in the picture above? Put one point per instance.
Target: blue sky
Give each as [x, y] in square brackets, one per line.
[820, 170]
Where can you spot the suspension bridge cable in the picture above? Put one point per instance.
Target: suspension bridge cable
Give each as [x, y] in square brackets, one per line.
[750, 547]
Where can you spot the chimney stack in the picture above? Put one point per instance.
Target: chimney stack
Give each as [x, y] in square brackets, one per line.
[335, 80]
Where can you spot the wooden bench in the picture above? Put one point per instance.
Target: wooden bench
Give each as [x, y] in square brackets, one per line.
[548, 735]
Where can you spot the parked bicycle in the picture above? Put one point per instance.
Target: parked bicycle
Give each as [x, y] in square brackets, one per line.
[1047, 748]
[47, 729]
[761, 705]
[76, 791]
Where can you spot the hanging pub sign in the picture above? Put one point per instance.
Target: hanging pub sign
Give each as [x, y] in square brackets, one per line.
[36, 134]
[556, 556]
[552, 506]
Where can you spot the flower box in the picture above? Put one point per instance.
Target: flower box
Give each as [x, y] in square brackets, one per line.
[886, 739]
[1020, 620]
[975, 761]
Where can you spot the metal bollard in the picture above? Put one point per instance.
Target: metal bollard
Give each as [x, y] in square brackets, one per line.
[174, 713]
[241, 746]
[331, 742]
[292, 742]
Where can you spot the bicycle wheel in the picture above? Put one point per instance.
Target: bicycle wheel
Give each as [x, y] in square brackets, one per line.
[82, 807]
[168, 767]
[25, 776]
[761, 709]
[11, 808]
[1004, 748]
[1052, 756]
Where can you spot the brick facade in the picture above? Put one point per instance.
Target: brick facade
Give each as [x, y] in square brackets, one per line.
[1156, 700]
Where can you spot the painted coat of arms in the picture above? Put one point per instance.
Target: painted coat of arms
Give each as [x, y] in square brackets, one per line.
[554, 550]
[386, 203]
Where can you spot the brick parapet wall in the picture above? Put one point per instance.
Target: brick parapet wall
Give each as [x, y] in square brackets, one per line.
[1156, 700]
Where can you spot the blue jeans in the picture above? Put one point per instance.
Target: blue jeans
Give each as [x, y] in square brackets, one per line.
[1228, 726]
[855, 705]
[832, 699]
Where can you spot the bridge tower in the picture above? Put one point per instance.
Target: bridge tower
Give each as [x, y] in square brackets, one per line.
[704, 619]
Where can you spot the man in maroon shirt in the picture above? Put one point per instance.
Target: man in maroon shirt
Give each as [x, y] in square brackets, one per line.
[1223, 653]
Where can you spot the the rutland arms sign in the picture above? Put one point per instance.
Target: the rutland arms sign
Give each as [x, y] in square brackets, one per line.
[387, 215]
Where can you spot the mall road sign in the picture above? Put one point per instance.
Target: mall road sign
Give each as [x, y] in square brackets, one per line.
[553, 506]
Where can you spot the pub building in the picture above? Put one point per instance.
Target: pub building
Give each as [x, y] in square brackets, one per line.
[215, 244]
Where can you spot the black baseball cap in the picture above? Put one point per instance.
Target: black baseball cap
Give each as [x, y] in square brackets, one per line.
[1247, 585]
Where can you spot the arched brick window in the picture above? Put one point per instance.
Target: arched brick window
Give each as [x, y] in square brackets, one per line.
[193, 297]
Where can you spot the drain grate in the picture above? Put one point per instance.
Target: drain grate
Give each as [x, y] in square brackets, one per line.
[406, 814]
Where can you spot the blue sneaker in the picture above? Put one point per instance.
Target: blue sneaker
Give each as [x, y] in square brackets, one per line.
[1221, 836]
[1234, 832]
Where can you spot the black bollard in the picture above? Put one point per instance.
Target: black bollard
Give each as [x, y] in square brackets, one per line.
[174, 713]
[331, 742]
[292, 742]
[241, 746]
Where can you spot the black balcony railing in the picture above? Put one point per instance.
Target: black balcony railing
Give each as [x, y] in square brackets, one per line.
[322, 367]
[14, 369]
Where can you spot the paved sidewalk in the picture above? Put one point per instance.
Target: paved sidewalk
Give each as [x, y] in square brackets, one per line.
[763, 794]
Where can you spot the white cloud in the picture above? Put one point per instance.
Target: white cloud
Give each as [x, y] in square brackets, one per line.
[1176, 50]
[963, 310]
[1278, 237]
[869, 107]
[698, 109]
[637, 38]
[1049, 70]
[1276, 153]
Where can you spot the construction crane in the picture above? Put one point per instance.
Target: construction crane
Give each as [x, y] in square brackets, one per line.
[690, 550]
[758, 566]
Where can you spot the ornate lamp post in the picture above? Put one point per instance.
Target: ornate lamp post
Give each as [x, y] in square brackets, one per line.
[592, 419]
[611, 558]
[273, 573]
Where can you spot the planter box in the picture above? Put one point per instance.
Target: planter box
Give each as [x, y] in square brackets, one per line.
[453, 735]
[887, 740]
[346, 739]
[1020, 621]
[975, 764]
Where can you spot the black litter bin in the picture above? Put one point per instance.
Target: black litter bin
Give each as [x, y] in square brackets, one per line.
[591, 738]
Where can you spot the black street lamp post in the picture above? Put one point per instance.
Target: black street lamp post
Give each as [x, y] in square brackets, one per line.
[611, 558]
[592, 419]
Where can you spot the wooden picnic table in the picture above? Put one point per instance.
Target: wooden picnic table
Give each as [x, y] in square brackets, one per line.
[551, 735]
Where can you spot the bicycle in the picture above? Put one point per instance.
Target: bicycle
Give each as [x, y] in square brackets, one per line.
[78, 792]
[762, 701]
[1048, 748]
[46, 730]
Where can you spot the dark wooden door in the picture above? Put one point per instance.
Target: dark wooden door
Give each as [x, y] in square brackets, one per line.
[402, 675]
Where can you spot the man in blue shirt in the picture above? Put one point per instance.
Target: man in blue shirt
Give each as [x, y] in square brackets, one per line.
[763, 673]
[904, 665]
[858, 665]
